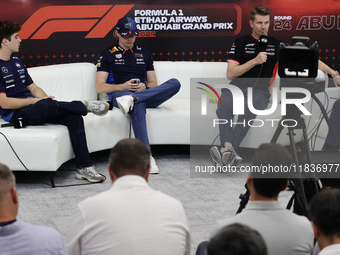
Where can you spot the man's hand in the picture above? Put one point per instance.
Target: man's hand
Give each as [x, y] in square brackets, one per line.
[336, 80]
[37, 99]
[134, 85]
[142, 87]
[40, 98]
[18, 103]
[235, 70]
[261, 58]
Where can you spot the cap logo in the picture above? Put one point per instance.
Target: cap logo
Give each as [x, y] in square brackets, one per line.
[128, 25]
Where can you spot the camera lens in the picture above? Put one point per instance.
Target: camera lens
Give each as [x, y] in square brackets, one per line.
[297, 56]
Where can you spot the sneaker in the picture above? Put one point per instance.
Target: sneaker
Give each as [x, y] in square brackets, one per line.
[224, 156]
[229, 152]
[221, 156]
[125, 103]
[237, 160]
[154, 168]
[90, 174]
[99, 108]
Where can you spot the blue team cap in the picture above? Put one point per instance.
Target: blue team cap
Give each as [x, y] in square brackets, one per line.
[126, 26]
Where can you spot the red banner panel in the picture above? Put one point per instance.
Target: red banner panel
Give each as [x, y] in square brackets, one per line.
[59, 32]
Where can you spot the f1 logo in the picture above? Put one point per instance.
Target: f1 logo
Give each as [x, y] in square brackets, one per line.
[97, 19]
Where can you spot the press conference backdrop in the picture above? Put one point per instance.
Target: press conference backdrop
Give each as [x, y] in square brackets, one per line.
[60, 31]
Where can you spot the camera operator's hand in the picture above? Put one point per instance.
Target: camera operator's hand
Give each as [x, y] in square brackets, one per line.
[261, 58]
[336, 80]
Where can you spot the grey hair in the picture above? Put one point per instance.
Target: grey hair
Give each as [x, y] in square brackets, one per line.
[7, 180]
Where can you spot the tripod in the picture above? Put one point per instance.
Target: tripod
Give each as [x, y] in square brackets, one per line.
[299, 194]
[294, 115]
[298, 182]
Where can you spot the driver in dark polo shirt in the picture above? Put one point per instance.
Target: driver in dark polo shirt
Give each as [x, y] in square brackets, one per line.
[126, 73]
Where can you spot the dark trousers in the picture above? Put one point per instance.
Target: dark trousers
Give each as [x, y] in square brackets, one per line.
[150, 98]
[65, 113]
[236, 135]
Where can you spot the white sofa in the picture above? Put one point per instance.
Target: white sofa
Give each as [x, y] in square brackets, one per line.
[47, 147]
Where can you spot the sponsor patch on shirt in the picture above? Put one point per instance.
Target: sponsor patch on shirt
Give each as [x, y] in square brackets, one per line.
[119, 62]
[21, 71]
[9, 81]
[10, 86]
[119, 55]
[4, 69]
[7, 76]
[114, 49]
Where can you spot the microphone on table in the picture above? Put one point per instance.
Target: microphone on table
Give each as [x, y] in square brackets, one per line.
[19, 123]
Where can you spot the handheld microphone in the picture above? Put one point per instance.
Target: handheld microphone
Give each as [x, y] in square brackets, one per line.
[263, 42]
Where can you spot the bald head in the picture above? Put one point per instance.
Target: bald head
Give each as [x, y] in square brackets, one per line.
[7, 181]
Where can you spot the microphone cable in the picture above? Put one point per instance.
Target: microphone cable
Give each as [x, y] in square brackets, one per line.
[258, 76]
[30, 172]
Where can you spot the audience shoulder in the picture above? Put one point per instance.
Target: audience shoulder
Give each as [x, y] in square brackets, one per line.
[44, 232]
[220, 224]
[303, 221]
[169, 202]
[48, 236]
[99, 198]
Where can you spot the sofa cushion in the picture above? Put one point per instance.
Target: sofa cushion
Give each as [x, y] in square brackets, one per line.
[184, 71]
[103, 132]
[169, 123]
[66, 82]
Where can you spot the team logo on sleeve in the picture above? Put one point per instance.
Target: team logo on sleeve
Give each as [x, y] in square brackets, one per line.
[99, 63]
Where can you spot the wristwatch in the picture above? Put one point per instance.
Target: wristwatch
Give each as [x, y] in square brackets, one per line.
[335, 73]
[146, 85]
